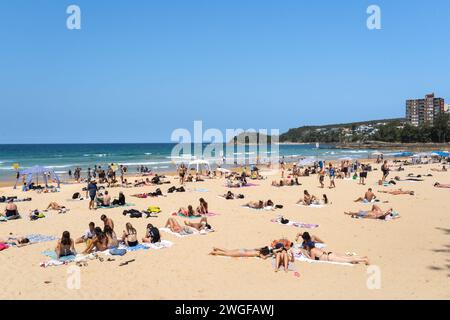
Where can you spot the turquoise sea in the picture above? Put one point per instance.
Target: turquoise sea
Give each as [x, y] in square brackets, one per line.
[156, 156]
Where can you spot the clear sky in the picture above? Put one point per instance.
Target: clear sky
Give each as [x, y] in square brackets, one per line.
[139, 69]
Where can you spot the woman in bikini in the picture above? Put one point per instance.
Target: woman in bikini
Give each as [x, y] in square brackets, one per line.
[130, 236]
[201, 225]
[262, 253]
[189, 212]
[203, 207]
[65, 246]
[375, 213]
[174, 226]
[99, 242]
[255, 204]
[319, 255]
[113, 242]
[307, 199]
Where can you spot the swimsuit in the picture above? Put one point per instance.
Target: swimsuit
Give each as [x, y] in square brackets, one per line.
[362, 213]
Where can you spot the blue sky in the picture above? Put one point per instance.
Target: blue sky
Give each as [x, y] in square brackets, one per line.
[139, 69]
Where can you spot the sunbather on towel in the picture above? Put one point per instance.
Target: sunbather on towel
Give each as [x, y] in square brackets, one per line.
[113, 242]
[65, 246]
[319, 255]
[262, 253]
[283, 256]
[443, 169]
[189, 212]
[201, 225]
[375, 213]
[397, 192]
[152, 234]
[88, 234]
[16, 241]
[369, 196]
[203, 207]
[99, 242]
[260, 204]
[175, 227]
[438, 185]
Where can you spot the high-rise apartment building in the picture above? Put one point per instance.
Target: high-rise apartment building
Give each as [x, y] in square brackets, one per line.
[424, 111]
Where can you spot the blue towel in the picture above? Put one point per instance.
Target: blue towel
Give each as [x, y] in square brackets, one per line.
[38, 238]
[136, 248]
[52, 254]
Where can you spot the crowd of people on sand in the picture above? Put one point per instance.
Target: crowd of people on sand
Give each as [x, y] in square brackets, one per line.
[283, 251]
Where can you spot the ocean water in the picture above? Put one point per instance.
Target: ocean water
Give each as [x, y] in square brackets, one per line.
[156, 156]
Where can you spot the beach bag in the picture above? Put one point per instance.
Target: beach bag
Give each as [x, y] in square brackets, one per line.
[240, 196]
[136, 215]
[76, 195]
[154, 209]
[171, 189]
[284, 221]
[117, 252]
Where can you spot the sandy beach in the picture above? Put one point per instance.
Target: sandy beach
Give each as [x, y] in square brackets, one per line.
[412, 252]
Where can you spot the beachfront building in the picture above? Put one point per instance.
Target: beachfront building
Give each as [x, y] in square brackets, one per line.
[424, 111]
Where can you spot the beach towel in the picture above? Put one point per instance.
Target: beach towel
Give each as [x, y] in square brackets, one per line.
[312, 205]
[3, 246]
[39, 238]
[52, 255]
[300, 257]
[163, 244]
[167, 230]
[268, 208]
[117, 206]
[201, 190]
[297, 224]
[244, 186]
[291, 265]
[209, 214]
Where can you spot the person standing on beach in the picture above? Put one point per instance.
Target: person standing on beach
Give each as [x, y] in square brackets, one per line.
[385, 170]
[363, 174]
[332, 173]
[92, 192]
[322, 176]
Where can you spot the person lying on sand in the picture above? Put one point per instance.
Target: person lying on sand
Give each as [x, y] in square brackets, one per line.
[88, 234]
[130, 236]
[306, 237]
[369, 196]
[99, 242]
[199, 226]
[16, 241]
[283, 256]
[65, 246]
[397, 192]
[262, 253]
[375, 213]
[443, 169]
[255, 204]
[11, 212]
[174, 226]
[319, 255]
[438, 185]
[189, 212]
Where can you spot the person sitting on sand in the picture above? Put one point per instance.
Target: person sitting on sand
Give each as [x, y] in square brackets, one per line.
[107, 221]
[99, 242]
[262, 253]
[397, 192]
[199, 226]
[11, 212]
[203, 207]
[369, 196]
[104, 200]
[88, 234]
[306, 237]
[443, 169]
[438, 185]
[229, 195]
[319, 255]
[113, 242]
[65, 246]
[375, 213]
[121, 201]
[152, 234]
[307, 199]
[130, 236]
